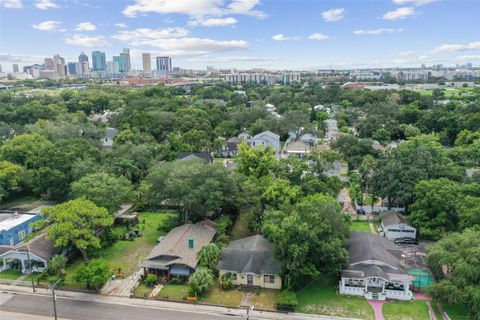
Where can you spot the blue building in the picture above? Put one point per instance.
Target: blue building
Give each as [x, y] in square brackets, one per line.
[122, 63]
[14, 227]
[99, 61]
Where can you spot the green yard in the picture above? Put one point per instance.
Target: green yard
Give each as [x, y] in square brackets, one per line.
[322, 298]
[229, 298]
[126, 254]
[449, 92]
[360, 226]
[174, 292]
[142, 291]
[406, 310]
[240, 228]
[455, 312]
[10, 274]
[265, 299]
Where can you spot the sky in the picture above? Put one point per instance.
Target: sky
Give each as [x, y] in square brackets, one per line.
[271, 34]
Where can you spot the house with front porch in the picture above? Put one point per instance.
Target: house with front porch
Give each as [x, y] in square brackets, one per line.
[37, 252]
[176, 254]
[375, 270]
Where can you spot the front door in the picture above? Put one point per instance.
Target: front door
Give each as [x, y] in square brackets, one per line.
[249, 279]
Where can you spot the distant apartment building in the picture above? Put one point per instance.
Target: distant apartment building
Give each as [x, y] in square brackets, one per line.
[257, 78]
[59, 65]
[15, 68]
[126, 55]
[48, 74]
[83, 60]
[112, 67]
[121, 62]
[98, 61]
[366, 76]
[411, 75]
[1, 71]
[48, 63]
[74, 68]
[164, 64]
[147, 62]
[289, 78]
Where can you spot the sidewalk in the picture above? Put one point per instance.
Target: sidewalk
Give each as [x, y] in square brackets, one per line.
[176, 306]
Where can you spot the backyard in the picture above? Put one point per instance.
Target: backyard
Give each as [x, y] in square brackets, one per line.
[126, 254]
[406, 310]
[240, 228]
[322, 298]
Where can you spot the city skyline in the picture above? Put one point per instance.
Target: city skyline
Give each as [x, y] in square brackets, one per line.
[301, 35]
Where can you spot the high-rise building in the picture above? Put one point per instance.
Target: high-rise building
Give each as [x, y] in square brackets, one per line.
[48, 63]
[112, 67]
[1, 71]
[98, 61]
[15, 68]
[59, 65]
[147, 62]
[164, 64]
[121, 61]
[74, 68]
[83, 60]
[126, 55]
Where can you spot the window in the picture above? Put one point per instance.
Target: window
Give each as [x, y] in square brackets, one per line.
[269, 278]
[233, 276]
[21, 234]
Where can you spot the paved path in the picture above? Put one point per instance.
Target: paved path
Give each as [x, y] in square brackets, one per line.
[372, 228]
[122, 287]
[377, 308]
[433, 316]
[246, 299]
[156, 290]
[86, 306]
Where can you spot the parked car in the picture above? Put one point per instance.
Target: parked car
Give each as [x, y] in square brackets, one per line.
[405, 240]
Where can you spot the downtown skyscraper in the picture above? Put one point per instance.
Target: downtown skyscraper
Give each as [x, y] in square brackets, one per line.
[99, 61]
[147, 62]
[164, 64]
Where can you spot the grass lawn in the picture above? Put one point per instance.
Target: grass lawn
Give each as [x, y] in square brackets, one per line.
[10, 274]
[142, 291]
[265, 300]
[240, 228]
[19, 201]
[455, 312]
[126, 254]
[360, 226]
[436, 310]
[229, 298]
[322, 298]
[406, 310]
[173, 292]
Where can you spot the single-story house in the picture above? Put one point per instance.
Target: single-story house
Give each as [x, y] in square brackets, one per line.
[394, 225]
[375, 270]
[250, 262]
[310, 139]
[14, 227]
[38, 250]
[176, 254]
[185, 156]
[297, 149]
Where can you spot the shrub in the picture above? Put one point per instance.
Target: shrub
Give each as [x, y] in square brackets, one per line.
[150, 280]
[286, 300]
[226, 281]
[118, 233]
[200, 280]
[171, 222]
[176, 280]
[94, 274]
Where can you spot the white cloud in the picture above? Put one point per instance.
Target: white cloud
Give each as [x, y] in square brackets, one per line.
[457, 47]
[85, 26]
[50, 25]
[333, 14]
[319, 36]
[407, 53]
[194, 8]
[142, 36]
[282, 37]
[400, 13]
[11, 4]
[196, 46]
[45, 4]
[20, 58]
[121, 25]
[377, 31]
[416, 3]
[87, 41]
[224, 59]
[213, 22]
[399, 61]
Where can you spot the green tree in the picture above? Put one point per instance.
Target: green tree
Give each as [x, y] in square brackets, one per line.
[281, 193]
[10, 177]
[208, 256]
[255, 162]
[454, 260]
[75, 223]
[57, 264]
[94, 274]
[105, 190]
[200, 280]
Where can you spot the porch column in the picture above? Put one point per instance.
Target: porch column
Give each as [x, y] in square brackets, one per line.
[23, 265]
[366, 284]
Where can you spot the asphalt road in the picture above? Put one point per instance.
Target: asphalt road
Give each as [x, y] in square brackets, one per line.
[24, 304]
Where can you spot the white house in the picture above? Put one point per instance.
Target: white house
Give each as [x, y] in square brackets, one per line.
[394, 226]
[246, 136]
[266, 138]
[297, 149]
[375, 269]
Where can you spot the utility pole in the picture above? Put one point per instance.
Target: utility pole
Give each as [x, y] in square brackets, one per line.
[53, 287]
[31, 269]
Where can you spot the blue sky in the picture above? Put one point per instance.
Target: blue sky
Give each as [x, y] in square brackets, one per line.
[274, 34]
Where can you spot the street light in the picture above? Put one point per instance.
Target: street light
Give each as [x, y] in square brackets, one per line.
[31, 269]
[53, 287]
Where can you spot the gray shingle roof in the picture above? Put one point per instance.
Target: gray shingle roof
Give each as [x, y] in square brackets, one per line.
[173, 249]
[185, 156]
[40, 246]
[249, 255]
